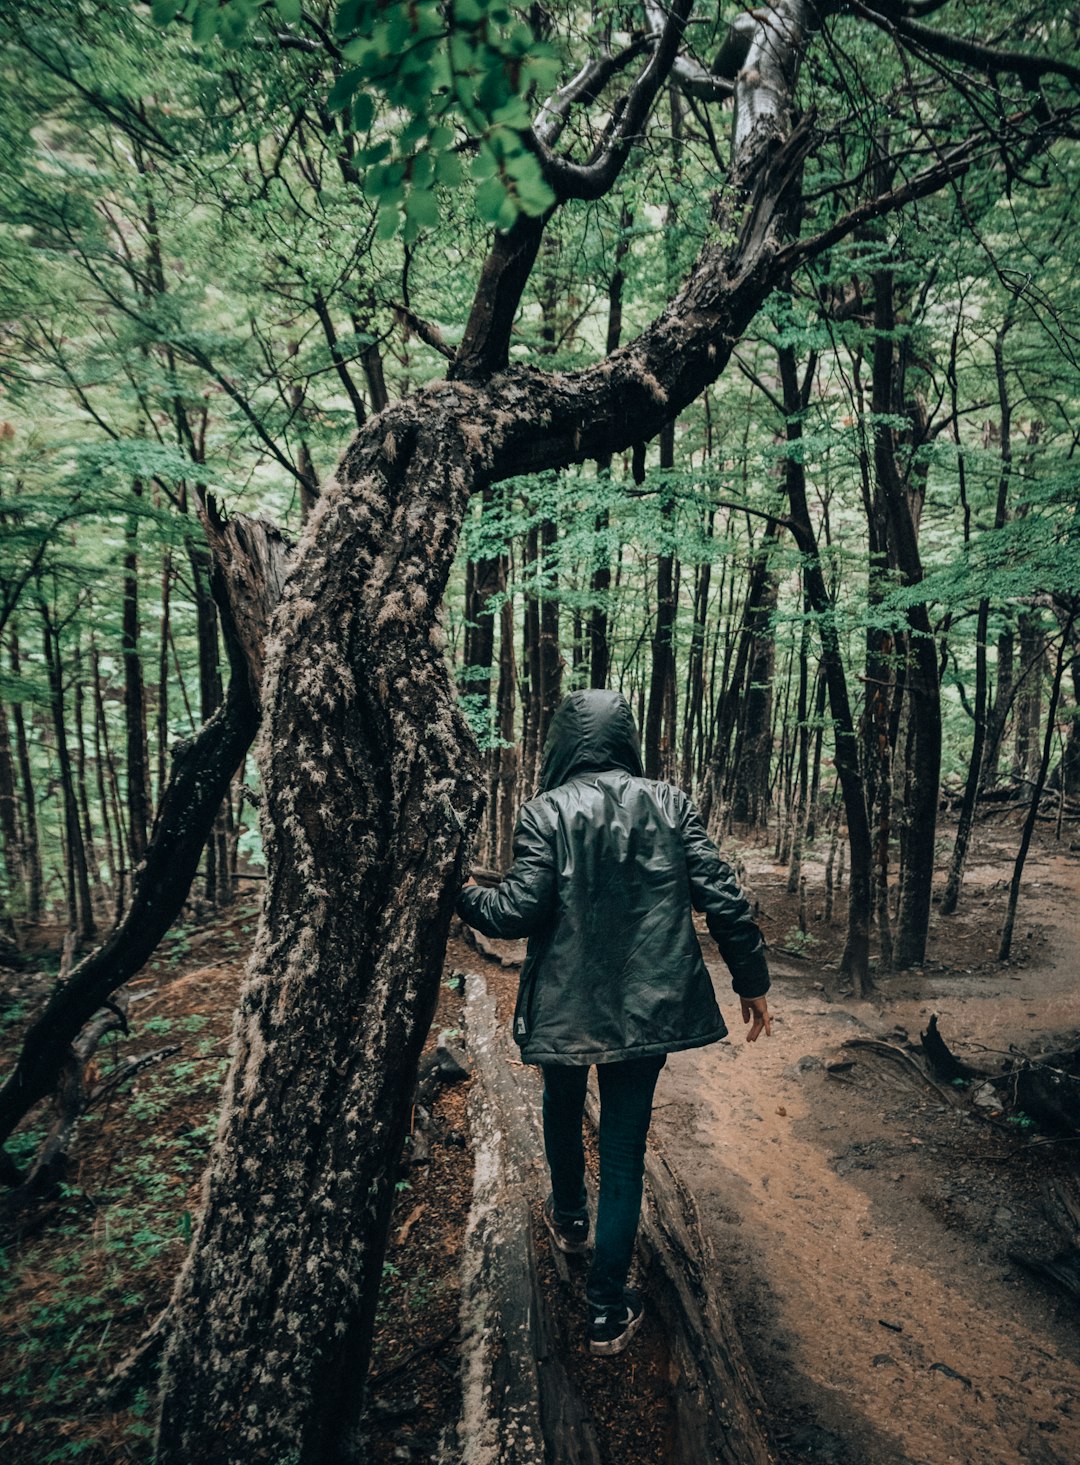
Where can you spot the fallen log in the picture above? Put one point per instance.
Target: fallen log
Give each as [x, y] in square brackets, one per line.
[719, 1409]
[519, 1402]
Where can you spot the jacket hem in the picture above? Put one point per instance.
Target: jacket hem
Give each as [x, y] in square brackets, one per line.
[586, 1057]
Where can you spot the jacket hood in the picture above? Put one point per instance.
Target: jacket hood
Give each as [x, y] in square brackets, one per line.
[591, 732]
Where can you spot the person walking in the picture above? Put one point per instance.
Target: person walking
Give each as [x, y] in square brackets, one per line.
[608, 868]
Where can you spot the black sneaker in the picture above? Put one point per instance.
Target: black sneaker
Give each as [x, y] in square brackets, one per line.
[611, 1328]
[573, 1239]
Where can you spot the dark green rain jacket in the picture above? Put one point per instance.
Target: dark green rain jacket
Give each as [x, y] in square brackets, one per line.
[607, 868]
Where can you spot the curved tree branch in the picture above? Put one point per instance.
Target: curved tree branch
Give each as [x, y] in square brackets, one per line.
[1028, 67]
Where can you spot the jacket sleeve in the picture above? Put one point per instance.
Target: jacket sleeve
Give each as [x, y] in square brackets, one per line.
[523, 902]
[715, 892]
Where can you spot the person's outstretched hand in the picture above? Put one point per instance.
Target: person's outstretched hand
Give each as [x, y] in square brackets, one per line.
[758, 1009]
[468, 882]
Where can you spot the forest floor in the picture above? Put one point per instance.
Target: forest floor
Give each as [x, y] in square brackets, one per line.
[864, 1223]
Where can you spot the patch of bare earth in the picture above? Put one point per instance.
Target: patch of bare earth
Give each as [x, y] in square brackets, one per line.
[867, 1222]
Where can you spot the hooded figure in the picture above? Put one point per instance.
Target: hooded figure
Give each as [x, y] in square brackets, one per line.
[608, 868]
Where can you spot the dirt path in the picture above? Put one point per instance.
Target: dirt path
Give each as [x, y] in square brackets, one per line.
[863, 1226]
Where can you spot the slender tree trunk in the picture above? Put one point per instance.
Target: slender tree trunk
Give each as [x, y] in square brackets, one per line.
[503, 822]
[550, 655]
[79, 905]
[728, 704]
[14, 888]
[695, 674]
[138, 801]
[1005, 947]
[100, 753]
[123, 850]
[532, 683]
[923, 770]
[163, 672]
[655, 749]
[749, 776]
[35, 883]
[1029, 702]
[78, 698]
[855, 962]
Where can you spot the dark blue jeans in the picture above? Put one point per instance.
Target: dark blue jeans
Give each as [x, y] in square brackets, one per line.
[626, 1098]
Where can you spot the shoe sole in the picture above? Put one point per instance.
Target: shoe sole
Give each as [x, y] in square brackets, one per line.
[569, 1248]
[616, 1345]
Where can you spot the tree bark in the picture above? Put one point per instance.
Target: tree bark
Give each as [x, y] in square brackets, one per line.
[855, 961]
[79, 904]
[31, 840]
[923, 770]
[136, 760]
[1005, 947]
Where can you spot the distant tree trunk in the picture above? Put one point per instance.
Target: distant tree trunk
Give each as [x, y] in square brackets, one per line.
[1005, 947]
[748, 777]
[1070, 761]
[728, 703]
[550, 655]
[163, 672]
[656, 750]
[600, 580]
[10, 827]
[507, 766]
[484, 580]
[138, 800]
[923, 770]
[107, 771]
[78, 696]
[855, 962]
[532, 674]
[798, 811]
[35, 885]
[216, 890]
[1029, 700]
[80, 909]
[695, 675]
[101, 783]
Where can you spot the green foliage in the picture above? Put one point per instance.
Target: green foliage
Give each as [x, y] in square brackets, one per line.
[418, 85]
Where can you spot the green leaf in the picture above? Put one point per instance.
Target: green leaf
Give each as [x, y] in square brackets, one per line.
[205, 25]
[289, 10]
[362, 111]
[344, 88]
[163, 12]
[490, 197]
[387, 226]
[422, 208]
[448, 170]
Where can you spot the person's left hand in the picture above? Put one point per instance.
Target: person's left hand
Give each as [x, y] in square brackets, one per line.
[468, 882]
[758, 1009]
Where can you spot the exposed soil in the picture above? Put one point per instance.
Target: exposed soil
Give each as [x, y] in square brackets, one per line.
[865, 1222]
